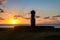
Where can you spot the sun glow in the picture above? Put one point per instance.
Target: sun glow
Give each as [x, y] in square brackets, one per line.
[14, 21]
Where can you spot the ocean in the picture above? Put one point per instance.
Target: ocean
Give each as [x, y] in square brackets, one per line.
[12, 25]
[55, 25]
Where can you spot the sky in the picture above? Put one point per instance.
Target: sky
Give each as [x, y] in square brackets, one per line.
[43, 7]
[48, 10]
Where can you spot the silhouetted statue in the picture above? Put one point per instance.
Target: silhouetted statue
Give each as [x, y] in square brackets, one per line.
[32, 18]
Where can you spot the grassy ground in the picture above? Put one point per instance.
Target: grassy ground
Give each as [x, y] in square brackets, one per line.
[29, 35]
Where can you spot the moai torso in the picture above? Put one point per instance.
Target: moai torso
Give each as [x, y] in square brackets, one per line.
[32, 18]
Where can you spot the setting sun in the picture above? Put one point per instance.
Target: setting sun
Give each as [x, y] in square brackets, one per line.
[14, 21]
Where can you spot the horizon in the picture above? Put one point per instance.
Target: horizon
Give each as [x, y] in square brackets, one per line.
[13, 25]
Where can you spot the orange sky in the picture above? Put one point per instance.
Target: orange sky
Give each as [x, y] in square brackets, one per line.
[9, 17]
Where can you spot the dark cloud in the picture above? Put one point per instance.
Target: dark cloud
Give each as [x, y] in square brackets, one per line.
[1, 10]
[2, 2]
[1, 18]
[46, 17]
[17, 16]
[57, 16]
[54, 18]
[37, 16]
[21, 16]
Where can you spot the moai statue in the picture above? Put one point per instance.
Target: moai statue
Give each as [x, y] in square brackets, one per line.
[33, 18]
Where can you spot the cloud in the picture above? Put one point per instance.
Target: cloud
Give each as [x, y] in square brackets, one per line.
[17, 15]
[2, 2]
[48, 21]
[57, 16]
[46, 17]
[1, 18]
[37, 16]
[21, 16]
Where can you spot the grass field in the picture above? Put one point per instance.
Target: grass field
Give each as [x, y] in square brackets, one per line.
[7, 35]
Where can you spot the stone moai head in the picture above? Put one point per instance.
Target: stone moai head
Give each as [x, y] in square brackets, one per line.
[33, 12]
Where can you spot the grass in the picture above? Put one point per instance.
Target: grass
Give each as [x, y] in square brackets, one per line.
[13, 34]
[7, 35]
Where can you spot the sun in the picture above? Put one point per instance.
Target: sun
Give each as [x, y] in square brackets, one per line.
[14, 21]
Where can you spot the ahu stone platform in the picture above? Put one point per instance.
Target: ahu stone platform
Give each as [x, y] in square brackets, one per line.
[34, 29]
